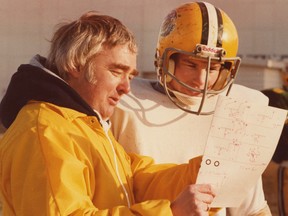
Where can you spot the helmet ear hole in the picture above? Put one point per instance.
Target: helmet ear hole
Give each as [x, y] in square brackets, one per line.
[222, 79]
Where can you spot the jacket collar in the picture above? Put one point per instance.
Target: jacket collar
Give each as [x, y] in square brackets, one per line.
[33, 82]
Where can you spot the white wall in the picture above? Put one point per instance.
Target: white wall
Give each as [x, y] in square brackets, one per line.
[260, 73]
[26, 25]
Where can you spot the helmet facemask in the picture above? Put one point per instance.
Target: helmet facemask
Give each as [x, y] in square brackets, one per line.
[200, 101]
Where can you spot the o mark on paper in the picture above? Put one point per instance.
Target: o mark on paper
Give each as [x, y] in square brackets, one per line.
[216, 163]
[208, 161]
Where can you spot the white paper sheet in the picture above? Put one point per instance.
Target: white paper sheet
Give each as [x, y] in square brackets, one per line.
[241, 143]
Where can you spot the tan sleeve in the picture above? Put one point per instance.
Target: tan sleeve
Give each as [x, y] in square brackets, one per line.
[263, 212]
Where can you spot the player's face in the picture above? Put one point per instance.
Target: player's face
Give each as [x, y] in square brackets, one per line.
[193, 72]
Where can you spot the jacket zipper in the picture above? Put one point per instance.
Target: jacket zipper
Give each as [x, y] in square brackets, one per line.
[106, 127]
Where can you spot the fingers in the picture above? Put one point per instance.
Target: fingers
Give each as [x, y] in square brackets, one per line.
[206, 188]
[204, 202]
[203, 192]
[194, 200]
[203, 206]
[203, 195]
[207, 207]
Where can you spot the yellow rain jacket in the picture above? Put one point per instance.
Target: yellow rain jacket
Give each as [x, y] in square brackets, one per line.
[58, 161]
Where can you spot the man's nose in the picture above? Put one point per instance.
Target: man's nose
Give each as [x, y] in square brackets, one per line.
[124, 85]
[200, 78]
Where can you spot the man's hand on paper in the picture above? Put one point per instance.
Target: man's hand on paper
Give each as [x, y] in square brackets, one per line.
[194, 200]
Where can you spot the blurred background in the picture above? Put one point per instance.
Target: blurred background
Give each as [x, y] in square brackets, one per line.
[26, 27]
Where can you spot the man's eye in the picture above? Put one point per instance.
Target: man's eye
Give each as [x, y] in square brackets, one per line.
[116, 73]
[215, 68]
[191, 65]
[122, 74]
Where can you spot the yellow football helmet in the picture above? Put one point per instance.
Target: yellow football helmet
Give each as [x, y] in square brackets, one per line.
[202, 31]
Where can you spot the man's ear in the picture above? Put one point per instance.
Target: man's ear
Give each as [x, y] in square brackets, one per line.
[73, 73]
